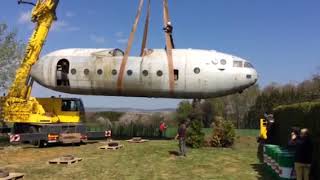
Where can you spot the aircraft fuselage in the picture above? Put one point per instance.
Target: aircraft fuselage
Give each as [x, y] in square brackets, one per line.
[197, 73]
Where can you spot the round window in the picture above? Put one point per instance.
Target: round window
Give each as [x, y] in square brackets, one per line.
[223, 62]
[99, 71]
[159, 73]
[73, 71]
[145, 72]
[86, 71]
[114, 72]
[129, 72]
[196, 70]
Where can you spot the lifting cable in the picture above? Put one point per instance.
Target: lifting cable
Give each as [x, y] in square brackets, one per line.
[145, 32]
[169, 45]
[129, 45]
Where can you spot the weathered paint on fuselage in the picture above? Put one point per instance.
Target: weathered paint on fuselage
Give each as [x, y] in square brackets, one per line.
[214, 79]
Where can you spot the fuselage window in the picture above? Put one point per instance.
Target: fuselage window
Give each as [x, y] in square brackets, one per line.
[223, 62]
[145, 72]
[73, 71]
[99, 71]
[176, 74]
[129, 72]
[237, 63]
[196, 70]
[159, 73]
[114, 72]
[86, 71]
[248, 65]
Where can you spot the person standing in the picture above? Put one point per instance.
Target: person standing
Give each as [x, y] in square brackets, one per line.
[162, 129]
[303, 155]
[181, 136]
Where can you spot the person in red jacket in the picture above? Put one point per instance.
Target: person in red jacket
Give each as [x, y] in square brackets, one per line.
[162, 129]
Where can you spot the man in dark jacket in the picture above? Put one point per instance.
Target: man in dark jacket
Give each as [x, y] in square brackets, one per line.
[181, 136]
[303, 155]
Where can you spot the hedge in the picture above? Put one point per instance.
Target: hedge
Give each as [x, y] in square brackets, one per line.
[302, 115]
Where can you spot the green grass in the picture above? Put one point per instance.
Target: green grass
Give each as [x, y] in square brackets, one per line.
[150, 160]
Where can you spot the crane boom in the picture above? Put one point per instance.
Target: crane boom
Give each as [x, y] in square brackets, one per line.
[18, 104]
[43, 15]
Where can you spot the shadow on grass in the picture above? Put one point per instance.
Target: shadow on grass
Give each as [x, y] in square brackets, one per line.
[262, 173]
[174, 153]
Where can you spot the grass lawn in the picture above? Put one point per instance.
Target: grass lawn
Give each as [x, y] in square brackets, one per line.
[150, 160]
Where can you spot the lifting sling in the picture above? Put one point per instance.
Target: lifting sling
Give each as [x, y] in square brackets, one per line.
[129, 45]
[169, 45]
[145, 32]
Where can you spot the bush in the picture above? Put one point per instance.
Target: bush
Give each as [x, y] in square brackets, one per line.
[223, 134]
[195, 136]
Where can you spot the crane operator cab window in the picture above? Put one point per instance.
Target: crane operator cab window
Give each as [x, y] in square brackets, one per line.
[62, 73]
[70, 105]
[116, 52]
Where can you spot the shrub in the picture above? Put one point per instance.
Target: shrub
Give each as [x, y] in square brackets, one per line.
[195, 136]
[223, 134]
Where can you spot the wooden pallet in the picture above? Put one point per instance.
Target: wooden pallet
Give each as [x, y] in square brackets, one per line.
[111, 147]
[13, 176]
[64, 161]
[135, 141]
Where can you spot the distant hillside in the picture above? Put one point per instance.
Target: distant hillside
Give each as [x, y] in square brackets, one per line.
[92, 109]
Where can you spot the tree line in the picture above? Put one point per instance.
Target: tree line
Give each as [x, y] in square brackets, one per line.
[245, 109]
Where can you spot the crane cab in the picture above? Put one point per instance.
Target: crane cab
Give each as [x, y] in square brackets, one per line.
[62, 110]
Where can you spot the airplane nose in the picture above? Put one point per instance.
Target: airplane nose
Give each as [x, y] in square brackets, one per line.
[37, 73]
[254, 76]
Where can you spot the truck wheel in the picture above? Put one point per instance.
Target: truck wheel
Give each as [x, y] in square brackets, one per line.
[33, 129]
[42, 144]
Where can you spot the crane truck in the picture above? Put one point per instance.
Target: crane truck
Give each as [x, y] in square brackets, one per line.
[40, 120]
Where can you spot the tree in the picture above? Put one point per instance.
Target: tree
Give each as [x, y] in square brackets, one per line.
[183, 111]
[11, 53]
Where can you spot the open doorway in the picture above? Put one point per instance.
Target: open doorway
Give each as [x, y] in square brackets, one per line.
[62, 73]
[176, 74]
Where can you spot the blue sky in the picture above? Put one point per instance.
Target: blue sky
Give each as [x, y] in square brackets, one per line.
[281, 38]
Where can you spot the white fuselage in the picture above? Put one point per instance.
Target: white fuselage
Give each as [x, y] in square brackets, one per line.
[197, 73]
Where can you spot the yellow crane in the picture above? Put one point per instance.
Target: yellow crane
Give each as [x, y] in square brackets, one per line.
[34, 115]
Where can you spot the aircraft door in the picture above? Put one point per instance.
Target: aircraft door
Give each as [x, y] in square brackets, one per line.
[62, 71]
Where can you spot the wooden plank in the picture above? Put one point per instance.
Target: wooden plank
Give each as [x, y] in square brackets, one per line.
[137, 141]
[111, 147]
[13, 176]
[62, 161]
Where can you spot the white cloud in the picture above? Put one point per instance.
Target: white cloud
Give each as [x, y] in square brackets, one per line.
[97, 39]
[122, 40]
[119, 34]
[25, 17]
[70, 14]
[120, 37]
[63, 26]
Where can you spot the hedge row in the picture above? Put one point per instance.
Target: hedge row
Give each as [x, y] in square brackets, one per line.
[302, 115]
[151, 131]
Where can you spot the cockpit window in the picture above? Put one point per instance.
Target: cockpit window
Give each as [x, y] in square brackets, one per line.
[237, 63]
[248, 65]
[117, 52]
